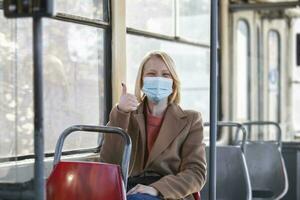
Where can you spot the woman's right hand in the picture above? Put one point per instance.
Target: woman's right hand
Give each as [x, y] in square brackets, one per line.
[128, 102]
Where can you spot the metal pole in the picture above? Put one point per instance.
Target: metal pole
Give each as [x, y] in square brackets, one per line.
[39, 183]
[213, 99]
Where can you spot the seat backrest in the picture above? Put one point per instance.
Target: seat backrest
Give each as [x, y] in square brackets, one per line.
[85, 181]
[233, 180]
[266, 169]
[197, 196]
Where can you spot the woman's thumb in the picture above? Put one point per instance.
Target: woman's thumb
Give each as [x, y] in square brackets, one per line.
[124, 89]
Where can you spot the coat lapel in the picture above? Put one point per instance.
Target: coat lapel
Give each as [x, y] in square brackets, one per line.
[174, 122]
[140, 119]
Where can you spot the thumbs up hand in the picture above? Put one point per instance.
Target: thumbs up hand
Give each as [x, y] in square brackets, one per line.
[128, 102]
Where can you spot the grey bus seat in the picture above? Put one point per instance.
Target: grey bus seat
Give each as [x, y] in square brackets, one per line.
[233, 182]
[266, 166]
[232, 177]
[267, 170]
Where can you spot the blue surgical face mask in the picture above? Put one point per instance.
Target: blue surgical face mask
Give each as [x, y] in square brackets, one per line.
[157, 88]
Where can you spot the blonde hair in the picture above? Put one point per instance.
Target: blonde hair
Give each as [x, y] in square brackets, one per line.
[175, 96]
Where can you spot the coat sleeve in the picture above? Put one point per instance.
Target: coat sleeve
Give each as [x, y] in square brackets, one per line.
[111, 150]
[192, 174]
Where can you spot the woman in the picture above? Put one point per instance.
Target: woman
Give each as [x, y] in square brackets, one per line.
[166, 140]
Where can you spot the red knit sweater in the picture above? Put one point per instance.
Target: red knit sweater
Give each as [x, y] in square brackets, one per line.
[153, 127]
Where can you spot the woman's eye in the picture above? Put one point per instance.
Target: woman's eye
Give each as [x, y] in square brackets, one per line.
[166, 75]
[150, 74]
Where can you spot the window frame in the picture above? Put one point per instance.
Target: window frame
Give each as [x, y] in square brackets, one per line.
[260, 77]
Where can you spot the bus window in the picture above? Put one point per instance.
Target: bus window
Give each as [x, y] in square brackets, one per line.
[191, 14]
[273, 76]
[243, 91]
[192, 66]
[73, 84]
[90, 9]
[191, 55]
[7, 88]
[140, 15]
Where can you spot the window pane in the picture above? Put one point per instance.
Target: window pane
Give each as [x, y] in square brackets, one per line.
[273, 76]
[192, 66]
[242, 67]
[85, 8]
[73, 84]
[151, 15]
[7, 87]
[25, 115]
[73, 81]
[194, 13]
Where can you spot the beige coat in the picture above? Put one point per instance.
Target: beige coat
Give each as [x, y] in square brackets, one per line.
[178, 151]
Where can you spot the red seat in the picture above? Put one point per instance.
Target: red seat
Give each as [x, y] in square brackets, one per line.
[85, 181]
[197, 196]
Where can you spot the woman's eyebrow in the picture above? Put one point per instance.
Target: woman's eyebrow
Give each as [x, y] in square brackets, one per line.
[150, 70]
